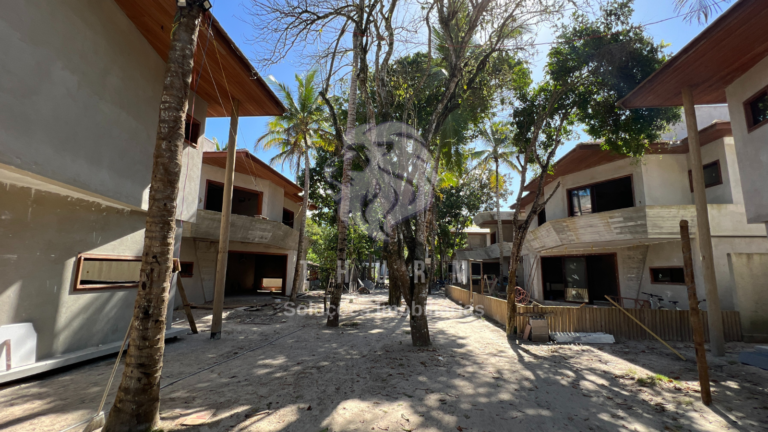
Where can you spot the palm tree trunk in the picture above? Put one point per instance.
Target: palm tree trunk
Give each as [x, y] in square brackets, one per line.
[343, 216]
[499, 231]
[300, 272]
[138, 397]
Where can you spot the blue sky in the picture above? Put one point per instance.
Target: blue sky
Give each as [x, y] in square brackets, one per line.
[232, 16]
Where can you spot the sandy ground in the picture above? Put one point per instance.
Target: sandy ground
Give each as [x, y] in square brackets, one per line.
[366, 376]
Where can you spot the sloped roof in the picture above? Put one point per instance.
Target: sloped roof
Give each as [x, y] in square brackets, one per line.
[730, 46]
[234, 77]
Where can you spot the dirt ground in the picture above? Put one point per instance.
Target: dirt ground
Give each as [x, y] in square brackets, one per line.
[366, 376]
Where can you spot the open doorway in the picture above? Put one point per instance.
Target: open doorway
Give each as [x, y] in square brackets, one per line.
[250, 273]
[580, 279]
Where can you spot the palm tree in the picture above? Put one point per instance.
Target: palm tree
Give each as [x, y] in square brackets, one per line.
[296, 134]
[137, 403]
[499, 152]
[702, 10]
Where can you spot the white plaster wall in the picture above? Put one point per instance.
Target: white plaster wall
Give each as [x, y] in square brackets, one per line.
[292, 206]
[722, 193]
[191, 165]
[751, 147]
[272, 201]
[665, 179]
[557, 208]
[79, 96]
[749, 272]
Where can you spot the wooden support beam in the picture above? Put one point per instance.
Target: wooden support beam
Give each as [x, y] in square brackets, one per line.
[183, 294]
[703, 233]
[645, 328]
[226, 213]
[696, 325]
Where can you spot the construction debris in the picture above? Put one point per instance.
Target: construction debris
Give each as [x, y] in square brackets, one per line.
[584, 338]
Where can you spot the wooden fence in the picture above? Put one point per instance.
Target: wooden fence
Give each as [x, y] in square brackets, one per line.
[457, 294]
[670, 325]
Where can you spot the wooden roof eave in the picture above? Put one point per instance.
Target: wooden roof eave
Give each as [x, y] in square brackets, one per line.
[730, 46]
[227, 72]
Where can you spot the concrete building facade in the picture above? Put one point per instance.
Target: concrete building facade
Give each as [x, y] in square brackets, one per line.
[264, 232]
[625, 241]
[78, 117]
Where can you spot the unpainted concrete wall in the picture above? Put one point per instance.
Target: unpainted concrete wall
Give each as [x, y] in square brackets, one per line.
[749, 272]
[41, 235]
[79, 96]
[272, 201]
[200, 287]
[750, 147]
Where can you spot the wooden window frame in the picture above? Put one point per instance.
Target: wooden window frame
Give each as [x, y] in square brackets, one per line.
[748, 110]
[293, 218]
[78, 272]
[569, 202]
[192, 122]
[258, 192]
[703, 167]
[187, 275]
[653, 280]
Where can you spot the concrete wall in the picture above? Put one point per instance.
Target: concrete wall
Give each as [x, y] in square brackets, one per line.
[272, 201]
[716, 151]
[749, 272]
[199, 288]
[665, 180]
[79, 96]
[42, 233]
[750, 147]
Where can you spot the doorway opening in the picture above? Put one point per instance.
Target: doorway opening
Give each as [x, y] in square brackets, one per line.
[580, 279]
[250, 273]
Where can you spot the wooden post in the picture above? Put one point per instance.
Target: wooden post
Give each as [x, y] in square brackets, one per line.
[696, 325]
[703, 234]
[226, 212]
[185, 302]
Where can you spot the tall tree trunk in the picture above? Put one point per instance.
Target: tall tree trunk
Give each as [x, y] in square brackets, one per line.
[300, 272]
[395, 265]
[138, 397]
[343, 216]
[499, 230]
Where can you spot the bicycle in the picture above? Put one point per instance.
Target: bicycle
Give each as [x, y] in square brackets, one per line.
[655, 304]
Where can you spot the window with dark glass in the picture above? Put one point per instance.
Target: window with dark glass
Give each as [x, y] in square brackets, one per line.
[187, 269]
[244, 201]
[668, 275]
[542, 216]
[600, 197]
[712, 175]
[756, 110]
[287, 218]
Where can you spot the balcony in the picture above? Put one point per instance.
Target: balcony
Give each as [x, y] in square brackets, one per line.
[242, 229]
[636, 225]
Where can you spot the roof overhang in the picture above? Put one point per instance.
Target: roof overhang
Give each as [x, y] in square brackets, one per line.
[733, 44]
[250, 165]
[234, 77]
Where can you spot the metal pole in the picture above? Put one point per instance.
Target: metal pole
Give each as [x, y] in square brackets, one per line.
[226, 212]
[696, 325]
[703, 234]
